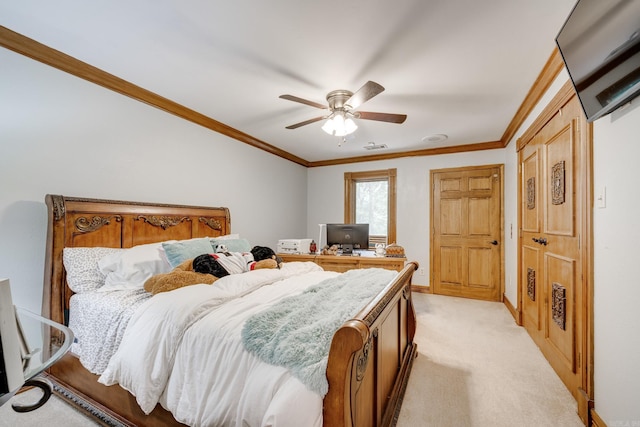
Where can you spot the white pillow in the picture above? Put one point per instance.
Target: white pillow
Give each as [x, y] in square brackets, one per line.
[81, 266]
[132, 267]
[227, 236]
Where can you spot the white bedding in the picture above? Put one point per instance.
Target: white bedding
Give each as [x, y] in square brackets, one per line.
[163, 358]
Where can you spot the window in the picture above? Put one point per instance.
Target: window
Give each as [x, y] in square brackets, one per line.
[370, 197]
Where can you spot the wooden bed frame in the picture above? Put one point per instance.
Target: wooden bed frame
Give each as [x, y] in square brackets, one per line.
[370, 358]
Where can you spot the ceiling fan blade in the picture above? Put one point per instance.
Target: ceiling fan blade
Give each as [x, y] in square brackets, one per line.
[306, 122]
[303, 101]
[365, 93]
[382, 117]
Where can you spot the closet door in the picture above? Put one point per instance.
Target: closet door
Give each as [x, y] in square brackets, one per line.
[551, 225]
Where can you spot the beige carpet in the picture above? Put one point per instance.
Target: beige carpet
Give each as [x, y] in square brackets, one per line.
[55, 413]
[475, 367]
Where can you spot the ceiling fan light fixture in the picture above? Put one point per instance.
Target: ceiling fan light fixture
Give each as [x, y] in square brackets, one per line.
[350, 126]
[338, 125]
[328, 126]
[342, 105]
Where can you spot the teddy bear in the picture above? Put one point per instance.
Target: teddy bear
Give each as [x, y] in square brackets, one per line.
[207, 269]
[330, 250]
[182, 275]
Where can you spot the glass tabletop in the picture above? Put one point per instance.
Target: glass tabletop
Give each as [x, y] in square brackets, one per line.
[46, 341]
[43, 343]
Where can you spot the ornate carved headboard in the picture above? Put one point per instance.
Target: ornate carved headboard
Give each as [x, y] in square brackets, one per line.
[80, 222]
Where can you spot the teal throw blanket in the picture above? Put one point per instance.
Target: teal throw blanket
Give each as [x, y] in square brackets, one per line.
[297, 332]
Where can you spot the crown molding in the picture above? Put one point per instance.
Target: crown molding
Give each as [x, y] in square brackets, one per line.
[546, 77]
[416, 153]
[54, 58]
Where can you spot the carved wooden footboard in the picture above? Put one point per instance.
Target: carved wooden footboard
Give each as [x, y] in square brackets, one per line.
[370, 358]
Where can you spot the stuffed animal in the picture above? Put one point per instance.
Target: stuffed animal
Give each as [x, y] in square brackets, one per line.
[182, 275]
[208, 268]
[222, 264]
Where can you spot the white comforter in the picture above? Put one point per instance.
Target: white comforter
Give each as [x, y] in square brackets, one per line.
[184, 350]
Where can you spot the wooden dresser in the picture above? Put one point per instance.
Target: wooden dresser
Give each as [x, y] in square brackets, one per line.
[342, 263]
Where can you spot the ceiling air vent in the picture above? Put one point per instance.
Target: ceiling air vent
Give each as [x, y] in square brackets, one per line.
[373, 146]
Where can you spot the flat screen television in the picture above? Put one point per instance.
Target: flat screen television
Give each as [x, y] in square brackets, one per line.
[11, 375]
[348, 237]
[600, 46]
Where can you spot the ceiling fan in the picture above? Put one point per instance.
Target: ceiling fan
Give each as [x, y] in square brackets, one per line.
[342, 105]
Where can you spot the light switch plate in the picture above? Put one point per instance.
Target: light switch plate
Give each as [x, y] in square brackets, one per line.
[601, 198]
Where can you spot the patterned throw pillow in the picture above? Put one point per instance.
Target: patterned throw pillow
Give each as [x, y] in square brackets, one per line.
[81, 265]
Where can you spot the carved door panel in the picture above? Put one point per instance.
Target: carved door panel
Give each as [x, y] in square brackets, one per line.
[551, 257]
[532, 296]
[467, 232]
[562, 258]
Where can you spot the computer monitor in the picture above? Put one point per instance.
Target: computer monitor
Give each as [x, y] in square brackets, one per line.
[348, 237]
[11, 374]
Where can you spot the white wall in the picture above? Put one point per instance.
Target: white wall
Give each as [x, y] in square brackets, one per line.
[616, 259]
[326, 197]
[62, 135]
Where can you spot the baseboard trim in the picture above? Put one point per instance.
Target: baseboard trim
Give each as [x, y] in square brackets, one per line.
[421, 289]
[585, 406]
[596, 421]
[515, 313]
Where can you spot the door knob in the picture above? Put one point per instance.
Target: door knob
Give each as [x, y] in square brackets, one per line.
[494, 243]
[542, 240]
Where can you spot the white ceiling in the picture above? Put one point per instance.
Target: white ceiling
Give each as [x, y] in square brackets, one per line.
[455, 67]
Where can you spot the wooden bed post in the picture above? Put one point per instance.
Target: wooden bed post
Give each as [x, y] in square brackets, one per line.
[348, 340]
[53, 296]
[376, 345]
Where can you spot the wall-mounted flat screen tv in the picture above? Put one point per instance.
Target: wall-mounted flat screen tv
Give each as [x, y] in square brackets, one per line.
[600, 46]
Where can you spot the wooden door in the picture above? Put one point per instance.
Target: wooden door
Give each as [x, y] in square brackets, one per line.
[553, 206]
[466, 218]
